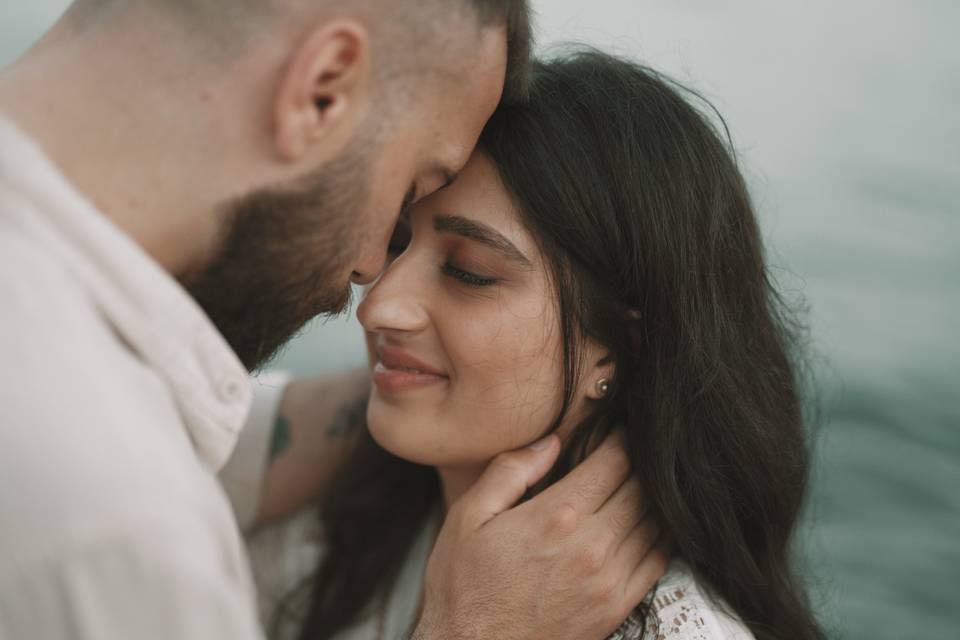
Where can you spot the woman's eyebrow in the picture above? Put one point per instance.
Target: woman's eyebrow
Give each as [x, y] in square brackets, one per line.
[458, 225]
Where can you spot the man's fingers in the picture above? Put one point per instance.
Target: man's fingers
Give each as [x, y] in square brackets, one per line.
[591, 483]
[638, 543]
[505, 481]
[650, 569]
[621, 513]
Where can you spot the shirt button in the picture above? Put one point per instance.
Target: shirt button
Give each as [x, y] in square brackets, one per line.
[230, 391]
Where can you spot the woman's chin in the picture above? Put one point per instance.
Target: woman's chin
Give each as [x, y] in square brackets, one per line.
[408, 442]
[395, 437]
[424, 438]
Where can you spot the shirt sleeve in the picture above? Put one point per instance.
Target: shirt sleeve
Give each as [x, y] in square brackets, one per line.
[243, 475]
[154, 578]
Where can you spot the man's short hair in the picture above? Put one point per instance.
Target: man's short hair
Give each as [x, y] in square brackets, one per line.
[515, 14]
[228, 23]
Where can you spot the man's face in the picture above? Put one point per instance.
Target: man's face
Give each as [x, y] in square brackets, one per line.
[291, 251]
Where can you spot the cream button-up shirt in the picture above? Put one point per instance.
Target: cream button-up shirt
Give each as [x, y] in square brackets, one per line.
[119, 404]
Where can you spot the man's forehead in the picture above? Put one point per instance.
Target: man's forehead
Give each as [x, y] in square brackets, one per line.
[455, 110]
[476, 73]
[470, 102]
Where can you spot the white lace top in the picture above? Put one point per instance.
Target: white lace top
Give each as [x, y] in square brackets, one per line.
[285, 556]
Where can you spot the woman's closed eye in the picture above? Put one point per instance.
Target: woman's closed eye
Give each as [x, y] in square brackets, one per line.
[466, 277]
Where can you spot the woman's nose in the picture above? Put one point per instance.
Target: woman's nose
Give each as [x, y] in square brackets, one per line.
[394, 303]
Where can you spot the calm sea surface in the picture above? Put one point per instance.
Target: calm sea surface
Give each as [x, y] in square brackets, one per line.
[845, 116]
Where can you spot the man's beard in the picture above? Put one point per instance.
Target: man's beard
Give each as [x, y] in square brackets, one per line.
[282, 254]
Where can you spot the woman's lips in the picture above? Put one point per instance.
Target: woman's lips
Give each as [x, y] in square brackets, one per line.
[399, 371]
[398, 380]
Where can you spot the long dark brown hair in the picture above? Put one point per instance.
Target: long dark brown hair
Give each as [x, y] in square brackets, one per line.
[637, 201]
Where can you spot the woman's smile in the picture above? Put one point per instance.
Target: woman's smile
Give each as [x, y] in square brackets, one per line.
[462, 329]
[398, 371]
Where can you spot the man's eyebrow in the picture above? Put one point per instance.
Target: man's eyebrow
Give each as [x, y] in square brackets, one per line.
[458, 225]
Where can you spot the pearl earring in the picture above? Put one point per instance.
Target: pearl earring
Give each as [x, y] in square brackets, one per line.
[602, 387]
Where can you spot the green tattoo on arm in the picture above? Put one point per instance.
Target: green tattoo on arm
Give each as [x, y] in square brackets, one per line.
[281, 439]
[349, 418]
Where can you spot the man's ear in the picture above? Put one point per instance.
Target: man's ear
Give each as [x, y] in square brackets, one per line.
[322, 91]
[602, 369]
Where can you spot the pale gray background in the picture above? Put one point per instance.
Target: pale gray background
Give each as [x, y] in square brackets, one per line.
[845, 116]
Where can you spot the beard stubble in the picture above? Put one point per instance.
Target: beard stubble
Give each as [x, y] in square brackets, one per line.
[284, 258]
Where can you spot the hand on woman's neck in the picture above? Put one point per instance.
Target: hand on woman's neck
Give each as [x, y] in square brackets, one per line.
[455, 481]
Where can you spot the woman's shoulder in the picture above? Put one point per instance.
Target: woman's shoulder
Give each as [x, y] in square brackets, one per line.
[679, 609]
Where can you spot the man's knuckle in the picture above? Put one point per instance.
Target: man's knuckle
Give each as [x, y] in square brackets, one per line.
[563, 520]
[592, 557]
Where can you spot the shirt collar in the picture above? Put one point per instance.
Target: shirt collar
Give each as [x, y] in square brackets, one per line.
[145, 305]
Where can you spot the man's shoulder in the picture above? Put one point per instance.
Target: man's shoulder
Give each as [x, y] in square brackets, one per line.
[55, 339]
[40, 296]
[66, 377]
[87, 431]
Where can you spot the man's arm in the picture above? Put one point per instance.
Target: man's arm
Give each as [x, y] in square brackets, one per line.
[317, 423]
[297, 434]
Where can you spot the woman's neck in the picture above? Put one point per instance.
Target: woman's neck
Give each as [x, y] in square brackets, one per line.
[455, 481]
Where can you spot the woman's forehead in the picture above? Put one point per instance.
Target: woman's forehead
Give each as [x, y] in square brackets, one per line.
[479, 194]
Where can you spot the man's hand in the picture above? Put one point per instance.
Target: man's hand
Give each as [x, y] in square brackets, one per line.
[572, 562]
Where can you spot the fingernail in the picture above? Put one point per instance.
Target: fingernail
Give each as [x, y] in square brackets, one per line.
[542, 445]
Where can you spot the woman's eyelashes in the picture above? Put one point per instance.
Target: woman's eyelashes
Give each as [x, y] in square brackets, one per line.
[400, 242]
[466, 277]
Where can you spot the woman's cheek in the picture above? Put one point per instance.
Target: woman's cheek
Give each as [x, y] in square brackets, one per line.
[512, 384]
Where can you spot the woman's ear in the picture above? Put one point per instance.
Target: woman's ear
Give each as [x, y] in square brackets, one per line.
[323, 90]
[599, 377]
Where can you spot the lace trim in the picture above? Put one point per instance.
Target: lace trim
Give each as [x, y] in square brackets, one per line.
[671, 614]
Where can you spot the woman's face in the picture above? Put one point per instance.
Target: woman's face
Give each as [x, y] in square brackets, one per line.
[463, 332]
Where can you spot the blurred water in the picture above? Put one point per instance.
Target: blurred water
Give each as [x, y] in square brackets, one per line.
[845, 117]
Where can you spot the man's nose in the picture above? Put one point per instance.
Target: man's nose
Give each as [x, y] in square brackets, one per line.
[360, 278]
[369, 268]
